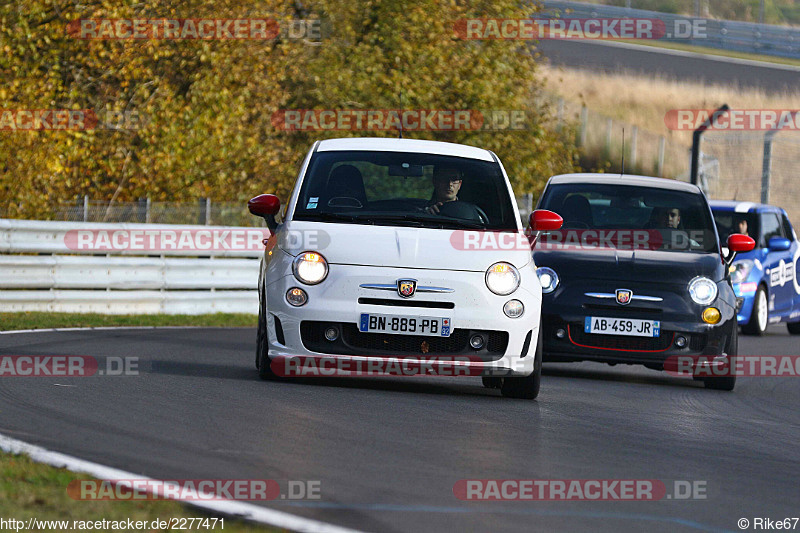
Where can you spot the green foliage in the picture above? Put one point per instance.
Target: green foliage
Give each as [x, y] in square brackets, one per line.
[206, 106]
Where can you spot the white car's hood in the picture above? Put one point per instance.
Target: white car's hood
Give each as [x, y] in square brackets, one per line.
[404, 247]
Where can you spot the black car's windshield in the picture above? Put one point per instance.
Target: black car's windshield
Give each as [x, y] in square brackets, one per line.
[666, 219]
[405, 189]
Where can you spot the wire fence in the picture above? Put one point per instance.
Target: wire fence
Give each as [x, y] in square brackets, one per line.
[600, 139]
[753, 167]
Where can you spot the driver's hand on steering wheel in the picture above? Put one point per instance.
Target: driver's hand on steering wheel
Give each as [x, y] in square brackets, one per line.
[433, 209]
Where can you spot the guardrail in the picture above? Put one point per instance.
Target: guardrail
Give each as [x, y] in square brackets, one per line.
[171, 281]
[723, 34]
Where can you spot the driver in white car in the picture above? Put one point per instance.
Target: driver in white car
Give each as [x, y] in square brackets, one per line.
[446, 184]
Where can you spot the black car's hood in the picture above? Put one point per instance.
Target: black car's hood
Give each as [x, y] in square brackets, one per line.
[638, 265]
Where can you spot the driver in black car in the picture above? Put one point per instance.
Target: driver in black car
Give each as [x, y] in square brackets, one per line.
[446, 184]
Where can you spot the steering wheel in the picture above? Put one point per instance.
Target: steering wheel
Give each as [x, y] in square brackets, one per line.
[464, 211]
[482, 215]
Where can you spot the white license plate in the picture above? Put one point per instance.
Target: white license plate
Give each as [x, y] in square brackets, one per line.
[431, 326]
[622, 326]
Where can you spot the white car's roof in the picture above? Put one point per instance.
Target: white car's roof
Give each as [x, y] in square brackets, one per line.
[384, 144]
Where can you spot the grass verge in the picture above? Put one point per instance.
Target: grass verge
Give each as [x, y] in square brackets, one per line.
[32, 490]
[38, 320]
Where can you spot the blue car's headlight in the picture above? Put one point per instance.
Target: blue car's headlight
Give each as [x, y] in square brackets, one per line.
[740, 270]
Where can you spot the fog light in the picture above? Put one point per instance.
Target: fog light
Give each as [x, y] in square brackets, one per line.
[711, 315]
[331, 334]
[680, 342]
[477, 342]
[513, 309]
[296, 297]
[560, 333]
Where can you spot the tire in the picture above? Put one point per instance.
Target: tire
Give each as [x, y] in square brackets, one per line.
[491, 382]
[262, 348]
[793, 327]
[759, 318]
[726, 383]
[526, 387]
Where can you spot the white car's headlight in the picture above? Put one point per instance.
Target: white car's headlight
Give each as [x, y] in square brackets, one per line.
[702, 290]
[740, 270]
[310, 268]
[502, 278]
[548, 278]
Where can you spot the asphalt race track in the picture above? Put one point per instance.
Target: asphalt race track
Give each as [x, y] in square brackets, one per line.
[622, 57]
[388, 451]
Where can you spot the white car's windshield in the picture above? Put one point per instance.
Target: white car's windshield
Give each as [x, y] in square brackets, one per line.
[409, 189]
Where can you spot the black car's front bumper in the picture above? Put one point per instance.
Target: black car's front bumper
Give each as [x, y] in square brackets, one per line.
[564, 313]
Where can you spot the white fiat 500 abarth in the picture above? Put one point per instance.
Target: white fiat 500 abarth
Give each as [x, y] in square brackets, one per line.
[398, 250]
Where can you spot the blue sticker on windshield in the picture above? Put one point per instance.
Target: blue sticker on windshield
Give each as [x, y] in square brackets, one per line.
[311, 205]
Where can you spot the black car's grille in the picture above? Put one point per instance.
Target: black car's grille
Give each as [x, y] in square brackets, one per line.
[354, 342]
[620, 342]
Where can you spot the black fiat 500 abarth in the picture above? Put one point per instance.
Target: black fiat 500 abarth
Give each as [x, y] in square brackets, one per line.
[636, 275]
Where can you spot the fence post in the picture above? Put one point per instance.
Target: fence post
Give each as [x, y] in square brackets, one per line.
[208, 211]
[634, 143]
[584, 124]
[86, 208]
[201, 211]
[766, 167]
[662, 145]
[141, 210]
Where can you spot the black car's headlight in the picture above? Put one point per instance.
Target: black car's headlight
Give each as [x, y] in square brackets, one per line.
[310, 268]
[502, 278]
[548, 279]
[702, 290]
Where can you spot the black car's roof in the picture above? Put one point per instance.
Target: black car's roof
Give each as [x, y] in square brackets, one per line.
[626, 179]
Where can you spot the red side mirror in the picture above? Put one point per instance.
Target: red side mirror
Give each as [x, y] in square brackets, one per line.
[264, 205]
[740, 243]
[544, 220]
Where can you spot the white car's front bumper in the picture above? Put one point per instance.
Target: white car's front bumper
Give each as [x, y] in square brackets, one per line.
[340, 300]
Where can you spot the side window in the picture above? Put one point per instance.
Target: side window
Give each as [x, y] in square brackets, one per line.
[788, 232]
[770, 227]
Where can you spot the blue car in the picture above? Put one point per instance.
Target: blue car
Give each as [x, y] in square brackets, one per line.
[765, 278]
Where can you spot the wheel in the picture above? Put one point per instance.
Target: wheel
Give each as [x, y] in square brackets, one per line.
[262, 348]
[759, 318]
[726, 382]
[526, 387]
[491, 382]
[793, 327]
